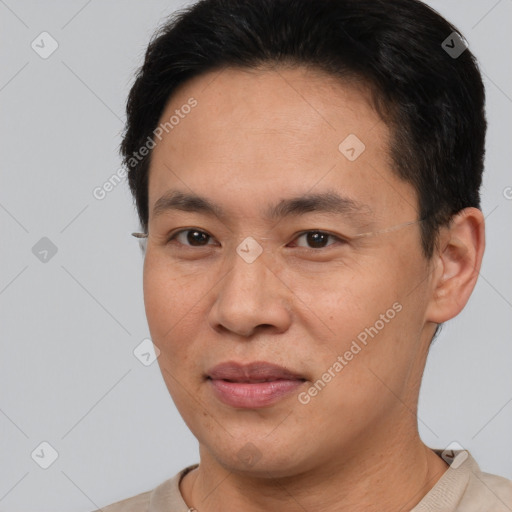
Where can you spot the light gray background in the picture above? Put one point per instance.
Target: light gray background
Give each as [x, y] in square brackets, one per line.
[69, 326]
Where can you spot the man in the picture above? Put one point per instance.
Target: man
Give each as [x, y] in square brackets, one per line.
[307, 178]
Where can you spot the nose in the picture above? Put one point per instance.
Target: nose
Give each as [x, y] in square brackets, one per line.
[251, 297]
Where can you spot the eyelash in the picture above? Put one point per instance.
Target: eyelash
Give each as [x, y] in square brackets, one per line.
[337, 238]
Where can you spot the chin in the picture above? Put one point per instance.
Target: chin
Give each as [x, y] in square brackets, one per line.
[261, 459]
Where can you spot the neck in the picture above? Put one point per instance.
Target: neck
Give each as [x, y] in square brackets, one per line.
[395, 477]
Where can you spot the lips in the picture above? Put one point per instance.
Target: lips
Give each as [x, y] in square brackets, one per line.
[252, 386]
[258, 371]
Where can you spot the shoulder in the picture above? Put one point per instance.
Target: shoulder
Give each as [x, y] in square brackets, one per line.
[166, 497]
[491, 493]
[465, 488]
[139, 503]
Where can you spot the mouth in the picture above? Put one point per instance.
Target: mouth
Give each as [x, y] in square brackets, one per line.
[253, 381]
[258, 371]
[254, 385]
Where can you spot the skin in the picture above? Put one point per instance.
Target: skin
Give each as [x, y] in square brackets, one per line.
[254, 138]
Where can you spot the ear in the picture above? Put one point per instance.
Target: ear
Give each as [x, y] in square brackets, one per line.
[456, 264]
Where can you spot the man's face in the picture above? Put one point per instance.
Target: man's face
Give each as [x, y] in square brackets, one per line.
[253, 141]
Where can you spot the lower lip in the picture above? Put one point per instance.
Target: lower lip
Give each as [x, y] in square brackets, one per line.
[253, 395]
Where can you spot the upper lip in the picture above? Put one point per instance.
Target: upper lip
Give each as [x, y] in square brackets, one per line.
[255, 371]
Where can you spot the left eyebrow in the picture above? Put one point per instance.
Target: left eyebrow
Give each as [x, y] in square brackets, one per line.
[324, 202]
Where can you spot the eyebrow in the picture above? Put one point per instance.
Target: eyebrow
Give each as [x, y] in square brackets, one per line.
[324, 202]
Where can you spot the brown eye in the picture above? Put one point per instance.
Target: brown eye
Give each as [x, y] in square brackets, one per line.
[317, 239]
[191, 237]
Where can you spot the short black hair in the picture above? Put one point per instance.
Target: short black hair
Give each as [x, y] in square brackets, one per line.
[431, 99]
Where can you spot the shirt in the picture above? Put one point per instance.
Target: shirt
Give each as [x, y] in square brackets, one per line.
[462, 488]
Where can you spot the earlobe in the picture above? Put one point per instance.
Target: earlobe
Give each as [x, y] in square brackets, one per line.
[459, 259]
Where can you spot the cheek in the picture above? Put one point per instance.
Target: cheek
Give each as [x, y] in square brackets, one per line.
[172, 302]
[340, 302]
[169, 305]
[364, 320]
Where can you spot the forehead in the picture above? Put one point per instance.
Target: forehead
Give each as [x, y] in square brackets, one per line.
[258, 134]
